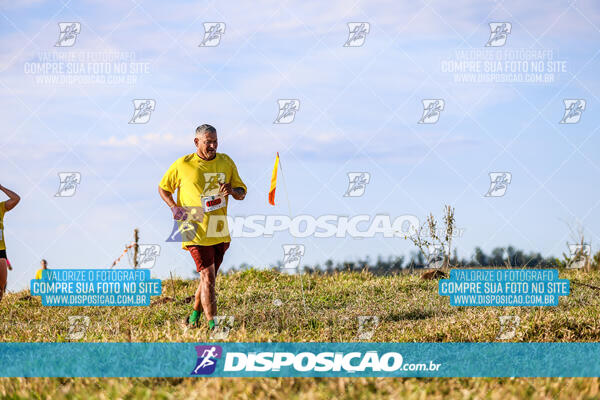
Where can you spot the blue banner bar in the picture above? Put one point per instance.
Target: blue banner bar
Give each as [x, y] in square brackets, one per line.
[96, 287]
[504, 287]
[300, 359]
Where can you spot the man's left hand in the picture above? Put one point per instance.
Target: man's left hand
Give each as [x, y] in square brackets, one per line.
[225, 189]
[237, 193]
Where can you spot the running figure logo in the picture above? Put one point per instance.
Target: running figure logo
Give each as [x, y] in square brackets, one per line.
[148, 253]
[573, 110]
[436, 255]
[287, 110]
[292, 255]
[223, 325]
[185, 229]
[68, 33]
[508, 327]
[68, 183]
[499, 32]
[142, 110]
[366, 326]
[358, 33]
[499, 182]
[212, 181]
[78, 325]
[432, 109]
[212, 34]
[357, 183]
[207, 359]
[579, 255]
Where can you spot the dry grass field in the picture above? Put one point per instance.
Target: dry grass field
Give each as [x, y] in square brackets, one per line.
[269, 306]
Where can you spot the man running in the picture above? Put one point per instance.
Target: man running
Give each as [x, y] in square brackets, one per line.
[203, 181]
[5, 206]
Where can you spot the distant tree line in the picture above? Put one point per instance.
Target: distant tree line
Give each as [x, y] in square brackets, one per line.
[499, 257]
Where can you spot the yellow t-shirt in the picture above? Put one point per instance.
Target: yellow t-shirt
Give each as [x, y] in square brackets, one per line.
[195, 179]
[2, 211]
[38, 274]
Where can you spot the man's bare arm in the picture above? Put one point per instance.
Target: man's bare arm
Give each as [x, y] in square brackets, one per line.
[179, 213]
[237, 193]
[167, 197]
[13, 198]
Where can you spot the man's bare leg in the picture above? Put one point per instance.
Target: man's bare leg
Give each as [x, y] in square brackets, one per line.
[206, 293]
[197, 298]
[3, 273]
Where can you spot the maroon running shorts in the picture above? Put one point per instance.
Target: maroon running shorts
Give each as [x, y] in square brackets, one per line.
[205, 256]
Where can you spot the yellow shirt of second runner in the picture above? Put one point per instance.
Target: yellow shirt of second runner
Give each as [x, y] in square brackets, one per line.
[194, 179]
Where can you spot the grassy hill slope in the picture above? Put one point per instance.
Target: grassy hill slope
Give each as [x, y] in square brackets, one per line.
[268, 306]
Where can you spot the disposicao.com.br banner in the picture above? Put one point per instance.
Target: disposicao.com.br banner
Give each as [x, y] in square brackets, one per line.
[299, 359]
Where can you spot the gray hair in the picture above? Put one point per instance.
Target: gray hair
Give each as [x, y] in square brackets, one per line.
[205, 128]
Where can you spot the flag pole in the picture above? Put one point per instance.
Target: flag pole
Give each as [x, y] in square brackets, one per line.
[290, 215]
[284, 186]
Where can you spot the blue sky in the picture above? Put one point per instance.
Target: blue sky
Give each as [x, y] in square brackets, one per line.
[359, 108]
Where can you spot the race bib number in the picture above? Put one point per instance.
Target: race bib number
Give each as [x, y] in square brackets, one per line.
[212, 203]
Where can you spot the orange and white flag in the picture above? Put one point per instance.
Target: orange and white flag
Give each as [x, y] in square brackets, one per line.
[273, 182]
